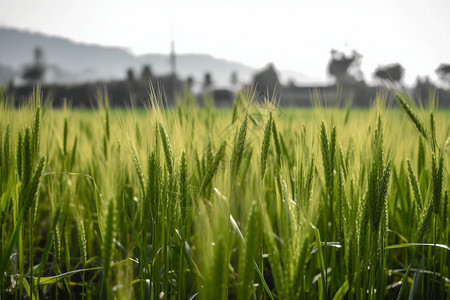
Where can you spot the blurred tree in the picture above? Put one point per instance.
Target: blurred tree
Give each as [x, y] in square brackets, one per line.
[345, 69]
[443, 71]
[6, 74]
[291, 83]
[10, 86]
[424, 89]
[34, 73]
[190, 83]
[146, 74]
[392, 72]
[234, 79]
[130, 75]
[266, 80]
[207, 81]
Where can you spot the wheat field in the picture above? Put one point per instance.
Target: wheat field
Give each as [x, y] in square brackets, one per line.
[253, 202]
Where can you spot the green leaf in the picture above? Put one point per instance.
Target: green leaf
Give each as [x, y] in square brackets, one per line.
[56, 278]
[26, 286]
[342, 291]
[321, 259]
[327, 244]
[9, 194]
[406, 245]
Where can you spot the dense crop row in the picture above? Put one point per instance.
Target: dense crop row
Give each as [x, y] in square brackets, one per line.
[252, 203]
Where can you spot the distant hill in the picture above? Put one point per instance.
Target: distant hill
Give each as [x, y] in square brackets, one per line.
[71, 62]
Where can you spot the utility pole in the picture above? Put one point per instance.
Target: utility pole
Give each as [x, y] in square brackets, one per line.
[173, 69]
[173, 62]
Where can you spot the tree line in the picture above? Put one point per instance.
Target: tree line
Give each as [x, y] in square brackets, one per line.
[345, 69]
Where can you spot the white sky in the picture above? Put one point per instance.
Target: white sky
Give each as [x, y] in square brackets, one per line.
[295, 35]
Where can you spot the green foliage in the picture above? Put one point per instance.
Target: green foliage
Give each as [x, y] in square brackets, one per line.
[162, 217]
[248, 253]
[213, 167]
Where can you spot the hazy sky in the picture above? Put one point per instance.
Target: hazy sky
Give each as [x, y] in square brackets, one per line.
[295, 35]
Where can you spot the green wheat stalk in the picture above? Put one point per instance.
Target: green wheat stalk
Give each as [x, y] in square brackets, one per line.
[248, 253]
[415, 186]
[139, 172]
[276, 141]
[19, 156]
[168, 154]
[36, 134]
[107, 248]
[437, 180]
[326, 158]
[265, 145]
[27, 160]
[238, 150]
[7, 148]
[65, 134]
[183, 188]
[412, 116]
[445, 212]
[212, 168]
